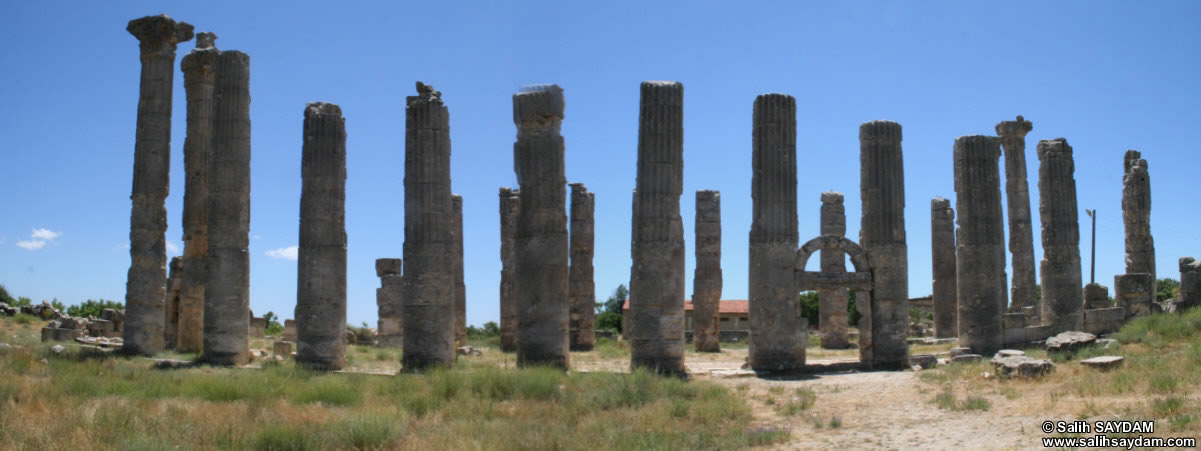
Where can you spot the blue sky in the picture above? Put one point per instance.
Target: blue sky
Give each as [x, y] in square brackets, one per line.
[1109, 76]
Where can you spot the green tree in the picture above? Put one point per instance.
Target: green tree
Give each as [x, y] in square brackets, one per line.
[1166, 288]
[5, 297]
[608, 313]
[273, 325]
[491, 329]
[93, 308]
[811, 306]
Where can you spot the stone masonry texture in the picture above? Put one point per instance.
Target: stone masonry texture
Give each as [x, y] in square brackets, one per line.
[707, 277]
[541, 243]
[510, 208]
[882, 236]
[779, 333]
[145, 287]
[321, 266]
[1063, 294]
[657, 276]
[980, 244]
[227, 261]
[942, 251]
[1017, 193]
[1190, 284]
[581, 289]
[832, 308]
[199, 75]
[457, 264]
[1136, 215]
[428, 307]
[388, 300]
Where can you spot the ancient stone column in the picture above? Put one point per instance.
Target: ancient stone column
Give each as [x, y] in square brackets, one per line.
[779, 333]
[1136, 214]
[832, 307]
[457, 263]
[980, 247]
[581, 287]
[1017, 193]
[510, 208]
[541, 244]
[942, 251]
[882, 236]
[707, 278]
[174, 282]
[1063, 297]
[657, 277]
[1190, 284]
[429, 291]
[388, 298]
[198, 74]
[146, 285]
[321, 267]
[227, 262]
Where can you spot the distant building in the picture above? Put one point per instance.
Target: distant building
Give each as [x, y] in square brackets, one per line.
[734, 315]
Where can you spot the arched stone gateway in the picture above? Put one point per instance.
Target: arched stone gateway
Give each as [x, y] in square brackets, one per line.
[861, 281]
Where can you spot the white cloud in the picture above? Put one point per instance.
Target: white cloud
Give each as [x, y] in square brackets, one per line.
[257, 237]
[172, 248]
[284, 253]
[38, 239]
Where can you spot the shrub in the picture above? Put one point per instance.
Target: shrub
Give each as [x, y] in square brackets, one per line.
[93, 308]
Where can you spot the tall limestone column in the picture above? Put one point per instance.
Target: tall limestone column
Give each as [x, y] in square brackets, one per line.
[942, 251]
[1063, 295]
[457, 263]
[227, 261]
[321, 266]
[832, 302]
[1190, 284]
[146, 285]
[980, 250]
[542, 248]
[581, 287]
[1017, 193]
[882, 236]
[707, 278]
[779, 333]
[1136, 214]
[198, 74]
[388, 299]
[510, 208]
[657, 277]
[174, 282]
[429, 292]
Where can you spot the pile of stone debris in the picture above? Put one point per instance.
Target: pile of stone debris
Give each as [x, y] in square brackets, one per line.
[64, 327]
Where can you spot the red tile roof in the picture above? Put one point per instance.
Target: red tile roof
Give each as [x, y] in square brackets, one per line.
[724, 306]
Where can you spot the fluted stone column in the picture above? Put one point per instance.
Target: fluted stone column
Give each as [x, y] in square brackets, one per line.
[429, 291]
[980, 248]
[832, 302]
[542, 248]
[510, 208]
[1136, 214]
[1190, 284]
[388, 299]
[657, 277]
[581, 289]
[199, 75]
[779, 333]
[174, 283]
[321, 266]
[1021, 234]
[707, 278]
[146, 285]
[457, 263]
[942, 251]
[882, 236]
[227, 262]
[1063, 296]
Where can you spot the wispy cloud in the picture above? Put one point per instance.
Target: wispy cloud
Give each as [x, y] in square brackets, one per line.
[38, 239]
[172, 248]
[284, 253]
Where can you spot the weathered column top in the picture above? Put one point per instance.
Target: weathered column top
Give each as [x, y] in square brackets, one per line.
[202, 56]
[387, 266]
[538, 106]
[1133, 158]
[204, 40]
[663, 92]
[1017, 128]
[578, 187]
[939, 204]
[1054, 148]
[981, 142]
[159, 34]
[880, 130]
[832, 197]
[322, 108]
[1188, 264]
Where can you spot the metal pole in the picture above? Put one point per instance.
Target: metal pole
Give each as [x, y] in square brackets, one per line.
[1092, 269]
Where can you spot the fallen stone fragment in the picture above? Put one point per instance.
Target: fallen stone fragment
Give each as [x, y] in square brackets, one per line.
[1107, 343]
[960, 350]
[1105, 362]
[58, 349]
[967, 358]
[1070, 341]
[1010, 353]
[1022, 366]
[923, 361]
[468, 350]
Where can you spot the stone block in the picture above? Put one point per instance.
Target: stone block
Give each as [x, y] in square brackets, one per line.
[1104, 320]
[1014, 320]
[58, 334]
[1096, 296]
[258, 327]
[1070, 341]
[282, 348]
[1104, 363]
[290, 330]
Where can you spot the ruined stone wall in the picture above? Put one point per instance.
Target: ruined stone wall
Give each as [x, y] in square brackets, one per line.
[882, 236]
[832, 314]
[510, 209]
[942, 251]
[1063, 296]
[980, 244]
[707, 277]
[581, 285]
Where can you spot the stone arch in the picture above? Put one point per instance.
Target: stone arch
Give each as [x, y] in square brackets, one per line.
[861, 279]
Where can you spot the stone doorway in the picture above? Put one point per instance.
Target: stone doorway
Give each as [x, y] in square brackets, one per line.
[860, 281]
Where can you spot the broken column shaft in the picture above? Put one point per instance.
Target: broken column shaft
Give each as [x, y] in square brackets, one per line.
[541, 244]
[227, 261]
[388, 300]
[1021, 233]
[942, 251]
[980, 248]
[510, 208]
[882, 236]
[779, 333]
[832, 302]
[1136, 214]
[145, 287]
[428, 307]
[321, 269]
[1190, 284]
[457, 265]
[1063, 297]
[581, 290]
[198, 74]
[707, 278]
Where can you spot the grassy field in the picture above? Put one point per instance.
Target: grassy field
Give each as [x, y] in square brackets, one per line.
[52, 401]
